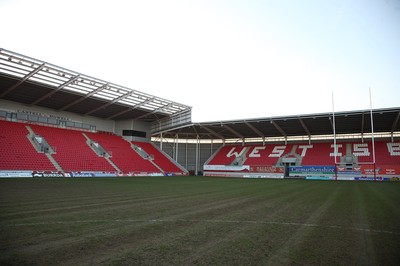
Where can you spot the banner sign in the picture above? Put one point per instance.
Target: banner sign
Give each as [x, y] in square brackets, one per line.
[81, 174]
[266, 169]
[235, 168]
[319, 178]
[97, 174]
[312, 169]
[13, 174]
[372, 179]
[245, 168]
[47, 174]
[380, 170]
[72, 174]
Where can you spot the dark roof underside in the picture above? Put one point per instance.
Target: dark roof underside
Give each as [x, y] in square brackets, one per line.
[36, 83]
[33, 82]
[29, 92]
[353, 122]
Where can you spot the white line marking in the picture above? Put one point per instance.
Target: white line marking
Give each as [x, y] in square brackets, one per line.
[198, 221]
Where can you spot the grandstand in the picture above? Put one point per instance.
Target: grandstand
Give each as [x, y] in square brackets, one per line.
[58, 122]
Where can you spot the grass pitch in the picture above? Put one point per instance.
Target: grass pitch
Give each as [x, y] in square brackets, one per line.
[198, 221]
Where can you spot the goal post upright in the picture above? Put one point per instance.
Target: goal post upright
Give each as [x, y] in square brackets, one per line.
[373, 163]
[372, 133]
[334, 135]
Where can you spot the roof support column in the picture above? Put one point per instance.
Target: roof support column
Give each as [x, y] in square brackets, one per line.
[176, 147]
[256, 131]
[197, 156]
[186, 154]
[211, 147]
[161, 141]
[280, 130]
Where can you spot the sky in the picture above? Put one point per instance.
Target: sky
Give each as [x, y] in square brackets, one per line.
[227, 59]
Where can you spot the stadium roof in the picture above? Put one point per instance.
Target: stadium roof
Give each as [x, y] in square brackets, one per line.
[33, 82]
[353, 122]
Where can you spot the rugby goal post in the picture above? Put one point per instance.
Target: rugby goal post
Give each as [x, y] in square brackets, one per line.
[373, 163]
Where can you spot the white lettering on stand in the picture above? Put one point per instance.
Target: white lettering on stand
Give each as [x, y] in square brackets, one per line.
[232, 152]
[277, 151]
[394, 149]
[335, 150]
[361, 149]
[304, 149]
[255, 152]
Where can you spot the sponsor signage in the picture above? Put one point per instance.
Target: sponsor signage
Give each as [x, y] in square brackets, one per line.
[10, 174]
[364, 178]
[226, 168]
[266, 169]
[313, 172]
[312, 169]
[264, 175]
[47, 174]
[381, 170]
[318, 178]
[81, 174]
[245, 168]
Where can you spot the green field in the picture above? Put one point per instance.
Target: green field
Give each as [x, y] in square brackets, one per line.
[198, 221]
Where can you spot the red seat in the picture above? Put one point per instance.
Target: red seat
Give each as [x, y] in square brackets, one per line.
[158, 157]
[17, 152]
[123, 155]
[72, 151]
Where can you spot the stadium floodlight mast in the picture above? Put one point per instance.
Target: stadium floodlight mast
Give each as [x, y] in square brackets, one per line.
[372, 137]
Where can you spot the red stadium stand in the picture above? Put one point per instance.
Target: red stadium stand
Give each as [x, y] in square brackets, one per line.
[392, 157]
[17, 152]
[316, 154]
[265, 155]
[363, 151]
[72, 151]
[158, 157]
[223, 155]
[73, 154]
[252, 154]
[123, 155]
[386, 153]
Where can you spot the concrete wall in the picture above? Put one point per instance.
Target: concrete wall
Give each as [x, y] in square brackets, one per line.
[133, 125]
[101, 124]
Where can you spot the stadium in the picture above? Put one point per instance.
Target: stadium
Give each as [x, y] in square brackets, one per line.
[214, 181]
[76, 126]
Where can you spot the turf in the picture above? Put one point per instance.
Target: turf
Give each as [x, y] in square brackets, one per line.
[198, 221]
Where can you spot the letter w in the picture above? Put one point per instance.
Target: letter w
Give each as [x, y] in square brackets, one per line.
[234, 153]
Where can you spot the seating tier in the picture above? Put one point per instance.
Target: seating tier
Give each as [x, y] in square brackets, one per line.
[158, 157]
[222, 157]
[386, 153]
[317, 154]
[17, 152]
[72, 151]
[127, 160]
